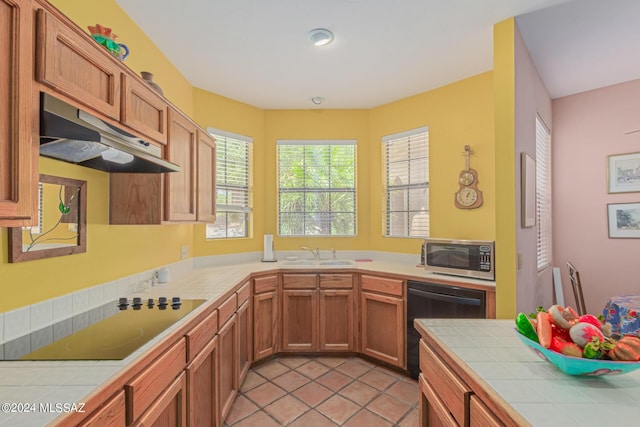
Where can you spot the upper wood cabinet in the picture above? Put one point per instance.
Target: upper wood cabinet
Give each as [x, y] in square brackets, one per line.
[143, 109]
[206, 177]
[18, 109]
[180, 190]
[73, 64]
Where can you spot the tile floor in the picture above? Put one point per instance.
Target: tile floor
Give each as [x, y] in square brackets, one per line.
[324, 391]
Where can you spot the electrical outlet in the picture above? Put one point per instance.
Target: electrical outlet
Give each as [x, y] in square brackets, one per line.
[184, 252]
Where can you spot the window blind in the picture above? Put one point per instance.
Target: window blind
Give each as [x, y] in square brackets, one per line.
[316, 187]
[543, 194]
[407, 183]
[234, 156]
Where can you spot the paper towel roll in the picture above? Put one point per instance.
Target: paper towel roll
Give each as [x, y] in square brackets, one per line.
[267, 254]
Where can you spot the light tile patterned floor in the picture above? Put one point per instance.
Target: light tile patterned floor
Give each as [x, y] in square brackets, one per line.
[324, 391]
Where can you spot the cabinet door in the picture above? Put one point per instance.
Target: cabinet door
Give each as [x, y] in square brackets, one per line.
[144, 110]
[206, 178]
[170, 409]
[299, 320]
[433, 413]
[480, 415]
[111, 414]
[227, 365]
[135, 198]
[336, 317]
[72, 63]
[265, 324]
[18, 116]
[383, 328]
[244, 341]
[180, 191]
[202, 387]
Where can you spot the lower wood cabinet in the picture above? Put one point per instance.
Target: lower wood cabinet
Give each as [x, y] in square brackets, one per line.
[170, 409]
[383, 319]
[111, 414]
[480, 415]
[142, 391]
[433, 412]
[202, 387]
[227, 365]
[336, 318]
[299, 320]
[266, 318]
[245, 333]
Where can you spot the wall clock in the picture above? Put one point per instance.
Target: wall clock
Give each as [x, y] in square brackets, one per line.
[468, 196]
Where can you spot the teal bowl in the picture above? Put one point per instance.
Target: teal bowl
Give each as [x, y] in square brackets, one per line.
[578, 366]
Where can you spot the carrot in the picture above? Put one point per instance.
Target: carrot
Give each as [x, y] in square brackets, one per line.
[543, 328]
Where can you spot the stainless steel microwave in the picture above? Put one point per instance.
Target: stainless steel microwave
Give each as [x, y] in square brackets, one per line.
[465, 258]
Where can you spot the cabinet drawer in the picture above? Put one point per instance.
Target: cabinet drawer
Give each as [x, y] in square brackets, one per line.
[227, 308]
[480, 415]
[299, 281]
[265, 284]
[145, 388]
[383, 285]
[446, 384]
[199, 336]
[243, 293]
[110, 414]
[432, 410]
[336, 281]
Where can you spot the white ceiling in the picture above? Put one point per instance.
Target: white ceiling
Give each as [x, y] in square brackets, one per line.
[257, 51]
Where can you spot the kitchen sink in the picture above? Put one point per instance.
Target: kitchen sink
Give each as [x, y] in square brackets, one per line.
[310, 262]
[336, 262]
[300, 262]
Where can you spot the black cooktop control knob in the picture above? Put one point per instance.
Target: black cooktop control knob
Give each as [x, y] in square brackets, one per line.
[123, 303]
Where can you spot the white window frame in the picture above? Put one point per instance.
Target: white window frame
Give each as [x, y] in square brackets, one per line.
[225, 209]
[306, 215]
[409, 217]
[543, 195]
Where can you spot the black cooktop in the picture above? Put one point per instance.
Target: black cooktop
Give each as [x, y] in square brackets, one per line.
[110, 332]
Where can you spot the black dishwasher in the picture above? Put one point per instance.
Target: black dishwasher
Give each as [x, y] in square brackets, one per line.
[431, 300]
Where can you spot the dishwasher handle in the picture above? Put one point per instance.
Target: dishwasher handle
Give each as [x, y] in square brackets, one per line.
[445, 298]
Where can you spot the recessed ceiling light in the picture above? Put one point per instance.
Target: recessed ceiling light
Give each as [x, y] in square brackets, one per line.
[320, 37]
[317, 100]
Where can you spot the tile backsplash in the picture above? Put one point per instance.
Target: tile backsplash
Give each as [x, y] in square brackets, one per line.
[23, 321]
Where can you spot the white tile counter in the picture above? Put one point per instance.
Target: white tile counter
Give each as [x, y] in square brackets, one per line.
[490, 353]
[31, 383]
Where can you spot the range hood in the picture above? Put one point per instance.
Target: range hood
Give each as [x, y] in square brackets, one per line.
[72, 135]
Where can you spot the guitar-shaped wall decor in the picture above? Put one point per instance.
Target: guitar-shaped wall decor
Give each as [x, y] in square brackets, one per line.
[468, 196]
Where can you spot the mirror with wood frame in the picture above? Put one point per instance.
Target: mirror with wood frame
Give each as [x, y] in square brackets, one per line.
[61, 228]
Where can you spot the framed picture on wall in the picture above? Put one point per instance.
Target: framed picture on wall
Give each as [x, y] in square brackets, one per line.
[624, 220]
[624, 173]
[528, 189]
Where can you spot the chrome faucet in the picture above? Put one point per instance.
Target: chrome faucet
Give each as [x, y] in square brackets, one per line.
[316, 253]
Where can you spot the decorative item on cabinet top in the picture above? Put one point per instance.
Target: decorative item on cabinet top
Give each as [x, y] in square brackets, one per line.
[148, 79]
[105, 37]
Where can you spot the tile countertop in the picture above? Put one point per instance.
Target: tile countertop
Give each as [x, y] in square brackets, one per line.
[27, 384]
[490, 353]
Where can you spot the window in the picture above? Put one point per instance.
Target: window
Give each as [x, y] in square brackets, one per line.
[543, 193]
[316, 188]
[233, 202]
[407, 183]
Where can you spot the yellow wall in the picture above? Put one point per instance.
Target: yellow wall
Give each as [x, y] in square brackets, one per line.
[457, 114]
[505, 217]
